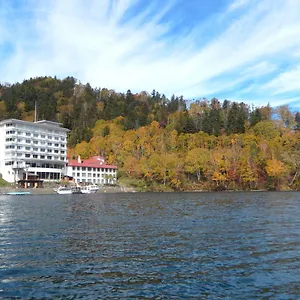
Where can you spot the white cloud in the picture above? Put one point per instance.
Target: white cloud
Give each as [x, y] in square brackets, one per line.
[259, 69]
[237, 4]
[94, 43]
[296, 52]
[286, 82]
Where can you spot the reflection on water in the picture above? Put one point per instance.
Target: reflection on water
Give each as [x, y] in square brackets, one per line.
[174, 245]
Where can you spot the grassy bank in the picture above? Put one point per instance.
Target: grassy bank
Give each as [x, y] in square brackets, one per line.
[4, 183]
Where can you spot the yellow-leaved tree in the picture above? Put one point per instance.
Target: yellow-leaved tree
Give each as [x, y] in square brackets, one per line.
[276, 170]
[197, 162]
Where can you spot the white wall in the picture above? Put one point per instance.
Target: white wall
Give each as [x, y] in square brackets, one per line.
[37, 142]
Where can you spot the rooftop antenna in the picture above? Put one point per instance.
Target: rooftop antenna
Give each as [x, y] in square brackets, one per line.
[35, 112]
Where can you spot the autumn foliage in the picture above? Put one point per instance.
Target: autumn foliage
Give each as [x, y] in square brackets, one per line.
[167, 143]
[199, 161]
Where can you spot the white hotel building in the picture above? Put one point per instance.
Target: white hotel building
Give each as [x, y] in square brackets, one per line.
[32, 148]
[92, 170]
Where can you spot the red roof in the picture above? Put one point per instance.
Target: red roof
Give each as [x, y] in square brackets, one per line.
[93, 162]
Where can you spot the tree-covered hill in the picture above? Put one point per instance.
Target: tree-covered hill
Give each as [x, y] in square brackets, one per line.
[204, 144]
[79, 106]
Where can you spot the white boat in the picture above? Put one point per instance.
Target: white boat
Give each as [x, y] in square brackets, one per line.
[68, 190]
[89, 189]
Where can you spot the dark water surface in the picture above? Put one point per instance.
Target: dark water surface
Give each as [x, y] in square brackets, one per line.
[150, 246]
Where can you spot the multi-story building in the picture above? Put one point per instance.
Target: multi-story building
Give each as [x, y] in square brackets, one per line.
[92, 170]
[32, 148]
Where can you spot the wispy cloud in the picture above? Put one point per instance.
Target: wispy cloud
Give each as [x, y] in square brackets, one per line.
[285, 82]
[237, 4]
[247, 51]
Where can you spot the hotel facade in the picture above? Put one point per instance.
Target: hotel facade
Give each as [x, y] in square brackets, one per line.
[32, 149]
[93, 170]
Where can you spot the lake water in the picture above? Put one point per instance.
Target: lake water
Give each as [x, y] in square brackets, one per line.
[150, 246]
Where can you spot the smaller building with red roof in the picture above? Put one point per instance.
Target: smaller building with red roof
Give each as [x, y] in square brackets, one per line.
[92, 170]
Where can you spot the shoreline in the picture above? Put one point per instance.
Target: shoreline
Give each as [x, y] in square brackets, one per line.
[49, 190]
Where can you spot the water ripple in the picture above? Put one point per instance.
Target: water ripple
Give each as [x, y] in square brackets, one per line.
[150, 246]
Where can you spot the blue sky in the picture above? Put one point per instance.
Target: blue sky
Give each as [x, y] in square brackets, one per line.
[241, 50]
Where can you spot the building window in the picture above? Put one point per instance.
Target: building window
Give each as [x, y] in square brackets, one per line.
[83, 174]
[35, 135]
[35, 142]
[89, 169]
[43, 136]
[28, 134]
[42, 156]
[49, 144]
[27, 155]
[9, 140]
[43, 150]
[27, 148]
[27, 141]
[10, 132]
[49, 151]
[49, 157]
[89, 175]
[35, 156]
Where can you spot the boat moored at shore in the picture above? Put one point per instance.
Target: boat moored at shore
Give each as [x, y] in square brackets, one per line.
[89, 189]
[68, 190]
[18, 193]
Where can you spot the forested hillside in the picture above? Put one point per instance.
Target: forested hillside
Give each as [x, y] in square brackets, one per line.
[162, 144]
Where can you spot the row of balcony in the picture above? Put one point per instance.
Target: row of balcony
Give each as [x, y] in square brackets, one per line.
[35, 156]
[37, 134]
[35, 143]
[36, 150]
